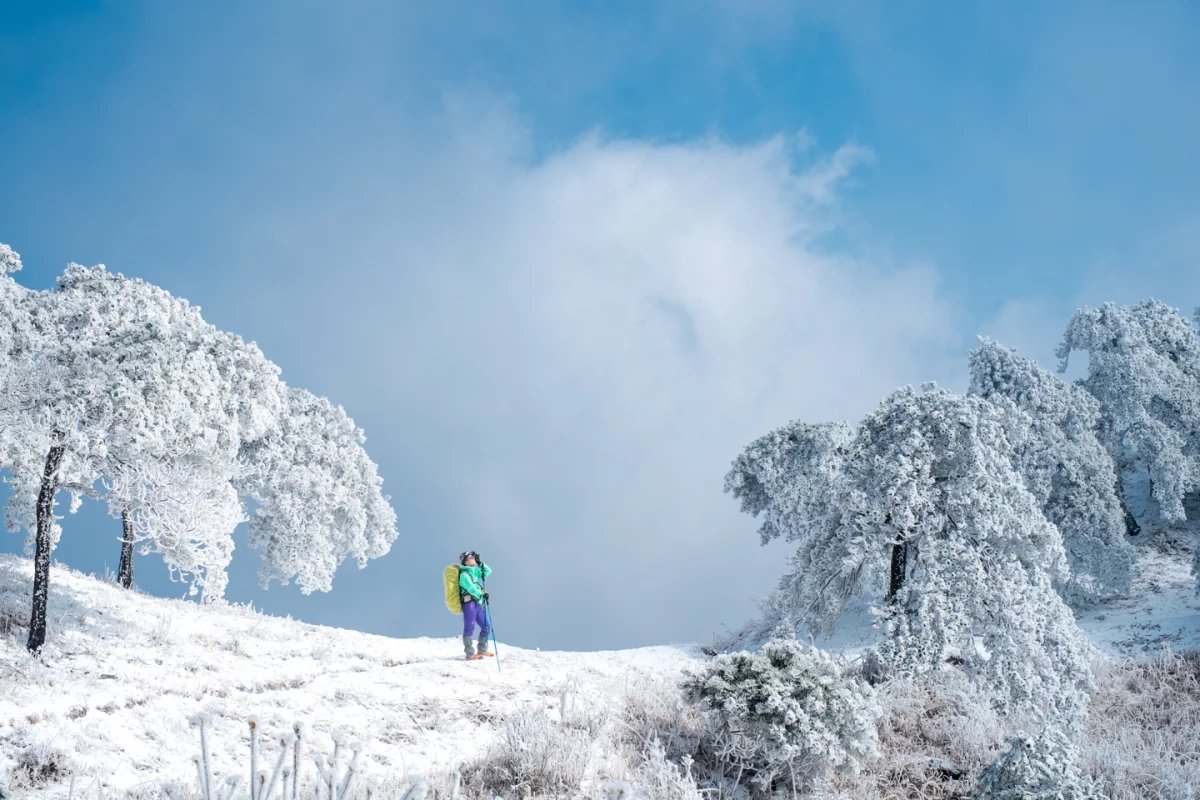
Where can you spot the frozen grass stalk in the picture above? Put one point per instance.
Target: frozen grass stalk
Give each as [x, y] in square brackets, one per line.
[350, 770]
[284, 741]
[298, 729]
[253, 758]
[203, 766]
[328, 769]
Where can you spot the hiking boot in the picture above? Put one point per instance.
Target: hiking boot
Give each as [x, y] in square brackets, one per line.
[476, 657]
[482, 646]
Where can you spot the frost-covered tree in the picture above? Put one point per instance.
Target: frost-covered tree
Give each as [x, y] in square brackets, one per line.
[123, 375]
[1144, 368]
[194, 395]
[318, 494]
[1065, 465]
[74, 389]
[932, 520]
[14, 347]
[115, 389]
[972, 585]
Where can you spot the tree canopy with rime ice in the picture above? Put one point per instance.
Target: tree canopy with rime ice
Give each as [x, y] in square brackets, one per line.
[1144, 369]
[115, 389]
[319, 495]
[1064, 465]
[925, 511]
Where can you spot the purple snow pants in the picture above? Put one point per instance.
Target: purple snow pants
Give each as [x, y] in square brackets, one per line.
[473, 613]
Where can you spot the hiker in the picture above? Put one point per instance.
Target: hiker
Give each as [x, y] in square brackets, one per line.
[471, 577]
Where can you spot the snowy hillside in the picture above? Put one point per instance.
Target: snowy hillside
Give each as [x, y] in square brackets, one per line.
[109, 700]
[122, 673]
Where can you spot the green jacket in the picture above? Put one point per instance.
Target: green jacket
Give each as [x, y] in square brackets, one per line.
[470, 580]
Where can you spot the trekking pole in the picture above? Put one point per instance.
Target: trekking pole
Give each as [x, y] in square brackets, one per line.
[487, 616]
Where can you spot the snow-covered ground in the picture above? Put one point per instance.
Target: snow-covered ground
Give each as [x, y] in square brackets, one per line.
[110, 697]
[122, 672]
[1161, 612]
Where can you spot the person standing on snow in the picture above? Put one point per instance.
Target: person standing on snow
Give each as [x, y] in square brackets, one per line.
[471, 576]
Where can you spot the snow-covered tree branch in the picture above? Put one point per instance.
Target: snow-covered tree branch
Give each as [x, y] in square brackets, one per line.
[319, 495]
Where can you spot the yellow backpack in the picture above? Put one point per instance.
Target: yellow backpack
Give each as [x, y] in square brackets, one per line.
[453, 593]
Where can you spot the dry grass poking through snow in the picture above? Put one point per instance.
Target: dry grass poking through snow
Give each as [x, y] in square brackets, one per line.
[1142, 741]
[1144, 729]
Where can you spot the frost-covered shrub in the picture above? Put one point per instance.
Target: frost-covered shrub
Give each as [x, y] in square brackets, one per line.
[534, 756]
[786, 716]
[1042, 767]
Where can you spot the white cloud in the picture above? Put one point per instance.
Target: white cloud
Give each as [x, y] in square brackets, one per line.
[580, 345]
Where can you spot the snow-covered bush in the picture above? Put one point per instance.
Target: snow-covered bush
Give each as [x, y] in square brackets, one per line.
[1065, 466]
[615, 790]
[44, 761]
[786, 716]
[1042, 767]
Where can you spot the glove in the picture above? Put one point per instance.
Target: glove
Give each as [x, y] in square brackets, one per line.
[486, 596]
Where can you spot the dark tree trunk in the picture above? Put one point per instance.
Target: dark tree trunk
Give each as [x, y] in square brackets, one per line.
[125, 571]
[1131, 525]
[41, 558]
[899, 567]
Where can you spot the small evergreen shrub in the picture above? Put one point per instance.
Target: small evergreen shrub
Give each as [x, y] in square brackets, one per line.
[784, 717]
[1044, 767]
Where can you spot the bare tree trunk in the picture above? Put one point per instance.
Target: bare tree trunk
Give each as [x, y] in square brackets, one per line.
[899, 567]
[41, 558]
[1131, 526]
[125, 571]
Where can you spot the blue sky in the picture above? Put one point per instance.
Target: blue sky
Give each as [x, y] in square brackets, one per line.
[562, 262]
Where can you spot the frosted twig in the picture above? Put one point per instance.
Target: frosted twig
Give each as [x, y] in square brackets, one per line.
[231, 785]
[284, 741]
